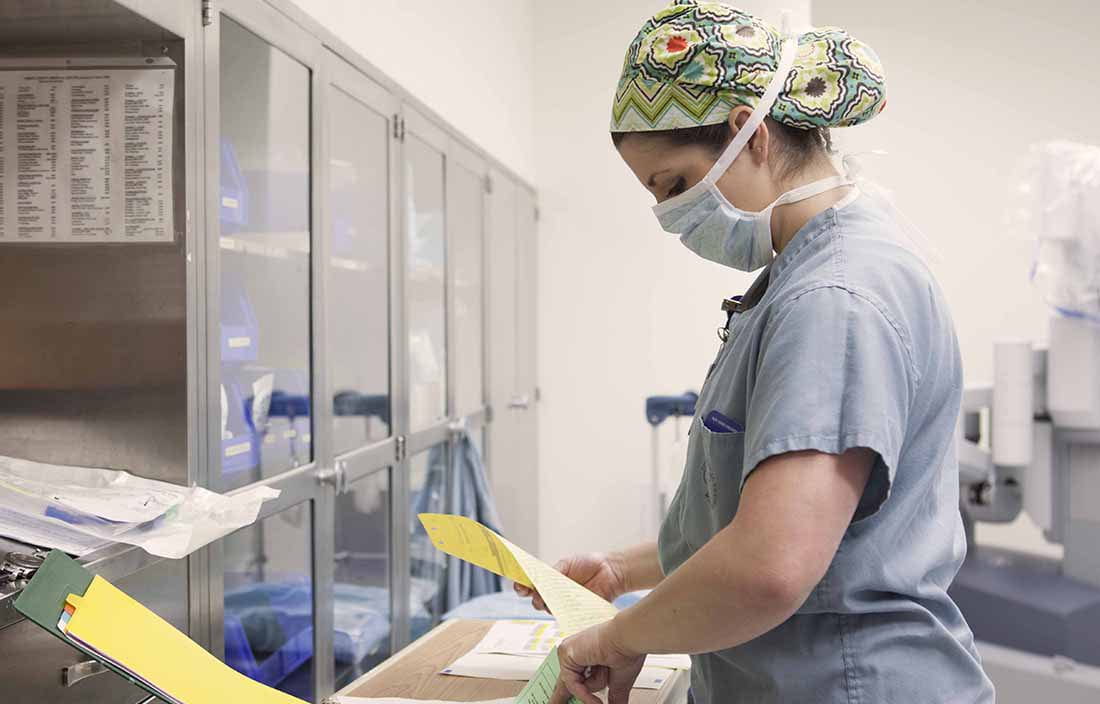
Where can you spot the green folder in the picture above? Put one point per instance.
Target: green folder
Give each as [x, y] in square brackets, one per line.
[43, 600]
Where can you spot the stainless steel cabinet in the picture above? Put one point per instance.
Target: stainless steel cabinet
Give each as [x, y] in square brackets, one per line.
[351, 288]
[513, 390]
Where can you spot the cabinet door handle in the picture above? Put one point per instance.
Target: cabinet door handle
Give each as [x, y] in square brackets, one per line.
[81, 671]
[519, 403]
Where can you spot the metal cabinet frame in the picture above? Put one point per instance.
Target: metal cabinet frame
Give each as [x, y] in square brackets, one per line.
[332, 65]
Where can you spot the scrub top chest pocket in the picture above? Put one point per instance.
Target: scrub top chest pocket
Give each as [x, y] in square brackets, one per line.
[713, 483]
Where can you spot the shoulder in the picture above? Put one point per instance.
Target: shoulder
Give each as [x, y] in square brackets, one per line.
[861, 264]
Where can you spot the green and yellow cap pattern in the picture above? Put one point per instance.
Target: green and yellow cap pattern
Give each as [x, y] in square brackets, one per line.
[695, 60]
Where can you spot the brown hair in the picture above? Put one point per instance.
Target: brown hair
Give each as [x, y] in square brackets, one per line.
[795, 148]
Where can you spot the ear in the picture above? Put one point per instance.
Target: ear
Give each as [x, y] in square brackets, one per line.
[759, 144]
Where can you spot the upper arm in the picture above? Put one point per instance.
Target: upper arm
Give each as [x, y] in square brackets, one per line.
[834, 373]
[794, 511]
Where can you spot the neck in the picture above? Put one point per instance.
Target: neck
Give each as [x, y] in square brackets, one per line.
[789, 218]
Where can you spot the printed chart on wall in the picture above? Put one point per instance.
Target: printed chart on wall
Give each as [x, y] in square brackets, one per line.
[86, 150]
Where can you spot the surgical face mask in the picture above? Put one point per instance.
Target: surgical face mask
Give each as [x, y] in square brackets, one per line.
[712, 227]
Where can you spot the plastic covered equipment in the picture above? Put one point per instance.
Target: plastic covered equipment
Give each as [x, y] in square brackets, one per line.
[1058, 205]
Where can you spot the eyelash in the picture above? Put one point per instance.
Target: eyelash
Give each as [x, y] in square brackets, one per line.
[677, 188]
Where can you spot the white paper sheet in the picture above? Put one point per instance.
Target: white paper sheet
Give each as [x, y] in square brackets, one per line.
[78, 508]
[86, 152]
[536, 638]
[523, 667]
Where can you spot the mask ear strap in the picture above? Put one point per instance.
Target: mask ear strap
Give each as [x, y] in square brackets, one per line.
[762, 109]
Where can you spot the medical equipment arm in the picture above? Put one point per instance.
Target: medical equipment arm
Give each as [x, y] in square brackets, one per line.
[757, 571]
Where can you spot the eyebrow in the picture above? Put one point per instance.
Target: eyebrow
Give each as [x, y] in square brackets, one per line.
[650, 182]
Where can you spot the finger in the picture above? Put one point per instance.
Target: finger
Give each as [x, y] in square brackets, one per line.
[618, 694]
[560, 695]
[521, 589]
[597, 679]
[538, 603]
[571, 683]
[619, 685]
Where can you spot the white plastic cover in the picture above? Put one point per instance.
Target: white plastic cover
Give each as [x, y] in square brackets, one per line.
[77, 509]
[1057, 204]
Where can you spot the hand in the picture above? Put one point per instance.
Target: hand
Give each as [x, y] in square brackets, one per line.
[603, 574]
[592, 660]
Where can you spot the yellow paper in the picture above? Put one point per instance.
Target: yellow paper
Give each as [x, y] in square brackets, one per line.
[137, 639]
[468, 540]
[574, 607]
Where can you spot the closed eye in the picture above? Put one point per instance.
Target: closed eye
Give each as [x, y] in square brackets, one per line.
[677, 188]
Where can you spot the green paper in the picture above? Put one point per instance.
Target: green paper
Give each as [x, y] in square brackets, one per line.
[541, 686]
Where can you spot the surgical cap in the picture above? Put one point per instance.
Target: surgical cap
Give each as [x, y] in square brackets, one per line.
[694, 61]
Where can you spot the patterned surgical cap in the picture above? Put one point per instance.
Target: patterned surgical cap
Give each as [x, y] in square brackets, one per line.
[694, 61]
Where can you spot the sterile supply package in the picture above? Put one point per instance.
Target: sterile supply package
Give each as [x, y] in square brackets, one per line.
[1057, 205]
[77, 509]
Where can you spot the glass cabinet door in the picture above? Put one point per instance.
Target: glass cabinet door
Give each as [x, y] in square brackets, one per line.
[427, 494]
[465, 206]
[358, 318]
[361, 595]
[425, 283]
[268, 600]
[264, 216]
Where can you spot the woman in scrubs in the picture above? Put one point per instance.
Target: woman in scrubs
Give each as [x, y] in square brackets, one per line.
[807, 553]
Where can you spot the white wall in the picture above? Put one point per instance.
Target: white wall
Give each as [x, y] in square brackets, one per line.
[626, 311]
[970, 86]
[469, 61]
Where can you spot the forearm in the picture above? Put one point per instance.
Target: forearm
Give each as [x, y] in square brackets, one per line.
[721, 597]
[754, 573]
[640, 565]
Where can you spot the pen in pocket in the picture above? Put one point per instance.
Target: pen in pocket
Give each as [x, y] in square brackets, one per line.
[716, 422]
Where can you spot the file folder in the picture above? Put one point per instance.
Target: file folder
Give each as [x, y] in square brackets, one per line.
[110, 626]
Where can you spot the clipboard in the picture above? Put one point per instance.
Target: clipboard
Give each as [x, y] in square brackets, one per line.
[115, 629]
[43, 600]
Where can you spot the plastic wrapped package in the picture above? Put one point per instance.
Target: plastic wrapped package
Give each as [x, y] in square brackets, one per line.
[1057, 205]
[77, 509]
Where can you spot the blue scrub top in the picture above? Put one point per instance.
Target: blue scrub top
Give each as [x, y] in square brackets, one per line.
[851, 345]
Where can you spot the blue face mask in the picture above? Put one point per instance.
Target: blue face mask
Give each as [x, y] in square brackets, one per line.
[712, 227]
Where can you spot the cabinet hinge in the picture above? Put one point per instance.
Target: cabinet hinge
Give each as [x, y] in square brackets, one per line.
[399, 448]
[402, 129]
[397, 127]
[538, 214]
[488, 414]
[488, 184]
[207, 13]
